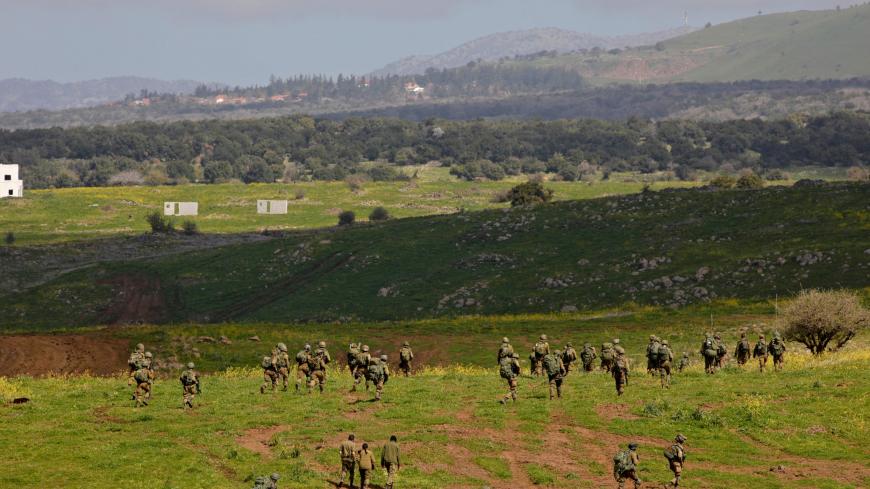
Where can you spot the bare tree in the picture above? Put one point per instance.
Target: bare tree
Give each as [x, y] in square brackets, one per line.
[824, 320]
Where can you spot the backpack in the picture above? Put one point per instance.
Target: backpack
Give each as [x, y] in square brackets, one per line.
[540, 348]
[260, 483]
[777, 348]
[607, 351]
[266, 363]
[709, 348]
[362, 359]
[760, 349]
[504, 351]
[141, 375]
[720, 350]
[405, 355]
[743, 346]
[671, 454]
[316, 362]
[376, 371]
[506, 368]
[302, 357]
[664, 354]
[652, 351]
[622, 363]
[569, 356]
[551, 364]
[622, 462]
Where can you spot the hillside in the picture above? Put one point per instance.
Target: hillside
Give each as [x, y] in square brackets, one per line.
[18, 94]
[520, 43]
[666, 248]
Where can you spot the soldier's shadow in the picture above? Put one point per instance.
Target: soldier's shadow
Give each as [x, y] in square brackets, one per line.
[358, 401]
[356, 486]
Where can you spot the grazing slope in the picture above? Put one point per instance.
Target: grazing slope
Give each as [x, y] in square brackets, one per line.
[669, 248]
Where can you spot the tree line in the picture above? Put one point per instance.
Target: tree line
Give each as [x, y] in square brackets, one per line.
[308, 148]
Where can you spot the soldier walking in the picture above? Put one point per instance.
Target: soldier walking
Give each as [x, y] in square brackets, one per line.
[676, 455]
[569, 357]
[144, 377]
[760, 352]
[347, 453]
[777, 351]
[684, 362]
[282, 363]
[666, 358]
[505, 350]
[721, 351]
[625, 466]
[542, 349]
[406, 356]
[743, 351]
[607, 356]
[709, 352]
[379, 374]
[620, 369]
[652, 350]
[270, 371]
[588, 356]
[365, 462]
[190, 385]
[509, 369]
[390, 460]
[303, 373]
[555, 373]
[317, 366]
[362, 365]
[352, 353]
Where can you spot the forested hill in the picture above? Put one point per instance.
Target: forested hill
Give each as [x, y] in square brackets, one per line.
[302, 148]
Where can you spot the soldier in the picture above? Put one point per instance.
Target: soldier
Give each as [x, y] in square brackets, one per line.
[777, 351]
[317, 366]
[143, 377]
[282, 363]
[652, 351]
[607, 356]
[362, 365]
[365, 462]
[149, 364]
[134, 363]
[506, 350]
[743, 350]
[542, 349]
[684, 362]
[347, 453]
[760, 352]
[555, 369]
[270, 371]
[709, 352]
[676, 456]
[190, 385]
[303, 373]
[721, 351]
[569, 357]
[390, 460]
[406, 356]
[666, 358]
[620, 369]
[352, 353]
[270, 482]
[625, 466]
[588, 356]
[273, 481]
[379, 374]
[509, 369]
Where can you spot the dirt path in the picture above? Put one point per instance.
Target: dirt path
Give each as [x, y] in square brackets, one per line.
[42, 354]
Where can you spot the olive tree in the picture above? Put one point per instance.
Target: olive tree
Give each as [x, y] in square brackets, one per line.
[823, 320]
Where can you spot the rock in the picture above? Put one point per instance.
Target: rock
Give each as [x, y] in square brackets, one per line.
[206, 339]
[21, 400]
[779, 469]
[226, 341]
[701, 273]
[254, 338]
[569, 309]
[867, 251]
[384, 291]
[583, 262]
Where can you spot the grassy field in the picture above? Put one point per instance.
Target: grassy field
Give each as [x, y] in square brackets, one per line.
[82, 431]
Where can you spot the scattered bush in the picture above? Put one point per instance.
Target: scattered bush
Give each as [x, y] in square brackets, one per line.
[300, 194]
[379, 214]
[750, 181]
[722, 182]
[824, 320]
[500, 197]
[776, 175]
[529, 193]
[190, 228]
[355, 182]
[346, 218]
[160, 224]
[10, 238]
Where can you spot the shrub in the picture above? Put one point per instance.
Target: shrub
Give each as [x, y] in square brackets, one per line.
[500, 197]
[529, 193]
[824, 320]
[300, 194]
[723, 182]
[355, 182]
[159, 224]
[10, 238]
[776, 175]
[190, 228]
[750, 181]
[379, 214]
[346, 218]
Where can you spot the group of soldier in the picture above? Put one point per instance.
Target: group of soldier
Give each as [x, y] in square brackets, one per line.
[626, 463]
[364, 461]
[714, 351]
[141, 374]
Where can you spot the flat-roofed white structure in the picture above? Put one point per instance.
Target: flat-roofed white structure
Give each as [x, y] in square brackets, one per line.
[180, 208]
[10, 184]
[271, 207]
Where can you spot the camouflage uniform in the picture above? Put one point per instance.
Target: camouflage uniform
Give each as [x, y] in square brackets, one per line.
[555, 369]
[743, 351]
[143, 377]
[270, 372]
[379, 374]
[569, 357]
[505, 351]
[190, 385]
[777, 351]
[684, 362]
[760, 352]
[273, 481]
[588, 356]
[629, 472]
[317, 364]
[666, 358]
[709, 352]
[676, 455]
[406, 356]
[509, 369]
[352, 353]
[607, 356]
[360, 373]
[303, 373]
[347, 453]
[282, 363]
[390, 460]
[542, 349]
[134, 363]
[652, 349]
[721, 351]
[620, 370]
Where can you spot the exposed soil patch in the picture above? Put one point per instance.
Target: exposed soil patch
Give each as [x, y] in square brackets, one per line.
[43, 354]
[138, 299]
[257, 439]
[609, 412]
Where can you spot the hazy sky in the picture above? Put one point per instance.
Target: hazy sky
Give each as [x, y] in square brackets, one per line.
[244, 41]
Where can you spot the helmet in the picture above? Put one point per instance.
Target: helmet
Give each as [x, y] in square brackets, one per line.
[615, 341]
[619, 349]
[632, 446]
[543, 337]
[307, 347]
[282, 347]
[365, 348]
[140, 347]
[505, 340]
[665, 342]
[686, 354]
[569, 345]
[148, 354]
[716, 336]
[383, 358]
[558, 353]
[515, 355]
[406, 344]
[680, 439]
[761, 337]
[322, 344]
[190, 365]
[776, 334]
[275, 476]
[743, 334]
[652, 337]
[588, 345]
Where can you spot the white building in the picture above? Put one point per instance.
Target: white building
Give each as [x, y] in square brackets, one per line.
[180, 208]
[10, 185]
[271, 207]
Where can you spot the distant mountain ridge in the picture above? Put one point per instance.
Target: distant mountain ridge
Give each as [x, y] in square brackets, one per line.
[18, 94]
[524, 42]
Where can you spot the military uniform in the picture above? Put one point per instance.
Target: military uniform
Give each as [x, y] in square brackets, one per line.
[588, 356]
[721, 351]
[379, 374]
[676, 456]
[270, 372]
[777, 351]
[743, 350]
[652, 359]
[684, 362]
[134, 363]
[360, 373]
[620, 370]
[628, 471]
[509, 369]
[347, 453]
[190, 385]
[505, 351]
[709, 352]
[542, 349]
[303, 373]
[390, 461]
[352, 353]
[406, 356]
[143, 378]
[607, 356]
[666, 359]
[282, 363]
[317, 365]
[569, 357]
[760, 352]
[555, 373]
[365, 462]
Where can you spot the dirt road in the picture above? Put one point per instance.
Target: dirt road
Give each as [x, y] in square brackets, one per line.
[41, 354]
